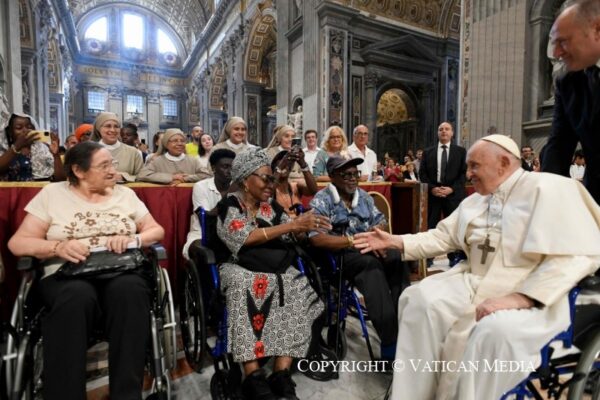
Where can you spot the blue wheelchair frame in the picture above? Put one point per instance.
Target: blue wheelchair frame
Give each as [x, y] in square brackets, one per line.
[347, 296]
[546, 371]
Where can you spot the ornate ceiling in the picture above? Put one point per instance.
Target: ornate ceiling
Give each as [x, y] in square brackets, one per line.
[439, 16]
[187, 17]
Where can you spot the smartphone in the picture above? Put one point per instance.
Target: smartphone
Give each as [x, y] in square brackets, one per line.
[42, 136]
[296, 142]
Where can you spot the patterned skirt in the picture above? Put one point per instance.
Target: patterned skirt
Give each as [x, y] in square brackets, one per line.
[268, 314]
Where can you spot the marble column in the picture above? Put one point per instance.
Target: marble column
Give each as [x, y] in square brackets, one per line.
[153, 115]
[370, 99]
[283, 59]
[12, 68]
[427, 105]
[115, 101]
[311, 106]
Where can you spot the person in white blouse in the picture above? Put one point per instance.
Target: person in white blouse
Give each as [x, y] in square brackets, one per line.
[577, 169]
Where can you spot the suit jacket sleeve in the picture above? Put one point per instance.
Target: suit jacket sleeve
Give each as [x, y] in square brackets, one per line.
[458, 186]
[557, 153]
[424, 171]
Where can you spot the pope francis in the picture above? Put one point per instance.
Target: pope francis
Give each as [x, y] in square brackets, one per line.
[476, 331]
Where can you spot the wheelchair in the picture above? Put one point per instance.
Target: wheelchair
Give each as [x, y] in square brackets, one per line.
[341, 302]
[22, 363]
[202, 310]
[582, 367]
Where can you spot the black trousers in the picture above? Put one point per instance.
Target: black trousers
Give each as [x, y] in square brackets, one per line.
[121, 307]
[381, 281]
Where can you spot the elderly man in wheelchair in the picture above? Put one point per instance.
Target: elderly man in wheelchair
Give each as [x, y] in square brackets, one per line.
[87, 234]
[475, 331]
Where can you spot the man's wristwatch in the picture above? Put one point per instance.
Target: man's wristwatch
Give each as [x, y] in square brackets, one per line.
[350, 239]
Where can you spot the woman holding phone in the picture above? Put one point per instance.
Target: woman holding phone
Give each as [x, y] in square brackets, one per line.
[284, 139]
[24, 156]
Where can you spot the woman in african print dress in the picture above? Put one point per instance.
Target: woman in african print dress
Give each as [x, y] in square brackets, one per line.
[271, 306]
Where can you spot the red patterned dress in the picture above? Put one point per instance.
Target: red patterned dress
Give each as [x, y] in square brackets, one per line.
[269, 314]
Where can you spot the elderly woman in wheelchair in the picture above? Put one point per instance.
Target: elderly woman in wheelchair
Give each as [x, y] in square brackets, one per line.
[271, 306]
[65, 224]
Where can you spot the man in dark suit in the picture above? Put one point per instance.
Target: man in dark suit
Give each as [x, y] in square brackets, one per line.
[576, 42]
[527, 158]
[444, 169]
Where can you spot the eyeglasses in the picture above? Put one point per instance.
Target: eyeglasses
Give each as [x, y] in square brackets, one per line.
[335, 137]
[362, 133]
[348, 176]
[267, 179]
[106, 166]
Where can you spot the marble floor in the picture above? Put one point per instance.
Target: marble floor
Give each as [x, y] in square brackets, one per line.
[190, 385]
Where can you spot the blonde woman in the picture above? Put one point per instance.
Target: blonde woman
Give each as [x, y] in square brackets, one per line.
[334, 143]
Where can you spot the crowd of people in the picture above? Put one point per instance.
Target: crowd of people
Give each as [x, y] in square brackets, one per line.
[515, 255]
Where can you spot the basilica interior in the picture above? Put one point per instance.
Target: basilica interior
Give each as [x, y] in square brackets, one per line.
[399, 67]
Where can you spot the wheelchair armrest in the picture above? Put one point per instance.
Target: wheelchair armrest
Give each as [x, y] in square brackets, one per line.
[158, 251]
[27, 263]
[203, 255]
[590, 284]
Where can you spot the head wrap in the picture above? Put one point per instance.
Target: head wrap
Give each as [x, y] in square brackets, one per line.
[505, 142]
[8, 134]
[225, 133]
[82, 129]
[100, 120]
[169, 133]
[22, 115]
[277, 135]
[245, 163]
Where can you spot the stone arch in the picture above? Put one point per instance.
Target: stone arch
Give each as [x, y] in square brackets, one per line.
[55, 81]
[397, 120]
[261, 44]
[26, 25]
[408, 96]
[218, 86]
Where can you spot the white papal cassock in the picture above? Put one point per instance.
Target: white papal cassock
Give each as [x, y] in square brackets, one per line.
[546, 235]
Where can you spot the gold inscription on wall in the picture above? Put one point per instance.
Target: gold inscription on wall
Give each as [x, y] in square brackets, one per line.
[144, 77]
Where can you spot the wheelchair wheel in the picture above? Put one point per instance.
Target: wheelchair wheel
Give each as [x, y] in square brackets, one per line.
[225, 386]
[27, 383]
[192, 318]
[169, 322]
[586, 371]
[342, 345]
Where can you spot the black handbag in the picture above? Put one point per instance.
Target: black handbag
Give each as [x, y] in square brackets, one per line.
[104, 264]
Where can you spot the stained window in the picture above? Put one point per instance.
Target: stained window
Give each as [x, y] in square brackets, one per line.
[96, 101]
[133, 31]
[98, 30]
[169, 108]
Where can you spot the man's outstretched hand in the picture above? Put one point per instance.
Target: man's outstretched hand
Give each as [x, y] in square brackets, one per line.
[376, 240]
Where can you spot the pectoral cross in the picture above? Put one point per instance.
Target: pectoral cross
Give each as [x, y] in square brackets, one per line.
[485, 249]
